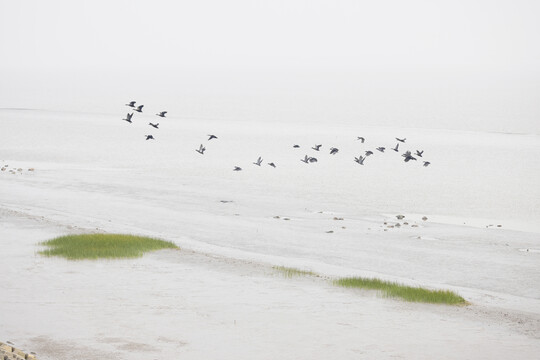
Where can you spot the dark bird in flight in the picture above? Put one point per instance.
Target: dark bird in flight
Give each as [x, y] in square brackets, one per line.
[259, 161]
[201, 149]
[128, 117]
[162, 114]
[419, 153]
[272, 165]
[237, 168]
[154, 125]
[406, 153]
[316, 147]
[149, 137]
[305, 159]
[333, 151]
[361, 139]
[409, 157]
[396, 148]
[401, 140]
[131, 104]
[139, 108]
[369, 152]
[360, 160]
[296, 146]
[210, 137]
[381, 148]
[426, 163]
[312, 159]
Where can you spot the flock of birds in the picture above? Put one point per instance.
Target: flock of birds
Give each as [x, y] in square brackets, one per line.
[407, 155]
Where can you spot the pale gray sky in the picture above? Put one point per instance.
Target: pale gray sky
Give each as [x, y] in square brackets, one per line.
[107, 50]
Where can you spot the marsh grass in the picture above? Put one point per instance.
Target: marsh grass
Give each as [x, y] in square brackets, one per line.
[291, 272]
[109, 246]
[408, 293]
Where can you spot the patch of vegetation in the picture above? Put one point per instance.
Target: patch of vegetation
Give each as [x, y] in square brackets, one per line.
[97, 246]
[408, 293]
[291, 272]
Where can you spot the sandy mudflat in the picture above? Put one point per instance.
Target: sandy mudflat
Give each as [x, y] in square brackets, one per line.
[219, 297]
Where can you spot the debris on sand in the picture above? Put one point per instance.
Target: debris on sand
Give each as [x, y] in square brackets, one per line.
[400, 217]
[338, 218]
[276, 217]
[424, 218]
[330, 232]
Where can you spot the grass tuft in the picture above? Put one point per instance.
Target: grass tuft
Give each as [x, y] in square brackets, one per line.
[408, 293]
[97, 246]
[291, 272]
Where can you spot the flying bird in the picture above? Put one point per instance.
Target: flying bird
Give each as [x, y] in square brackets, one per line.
[154, 125]
[396, 148]
[316, 147]
[312, 159]
[201, 149]
[139, 108]
[369, 152]
[333, 151]
[131, 104]
[409, 157]
[360, 160]
[237, 168]
[426, 163]
[305, 159]
[401, 140]
[210, 137]
[381, 148]
[361, 139]
[296, 146]
[129, 116]
[162, 114]
[272, 165]
[149, 137]
[419, 153]
[258, 162]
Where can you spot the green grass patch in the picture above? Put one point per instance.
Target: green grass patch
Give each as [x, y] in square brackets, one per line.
[291, 272]
[408, 293]
[98, 246]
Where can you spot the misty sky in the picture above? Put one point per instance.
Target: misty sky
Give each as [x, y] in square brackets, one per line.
[309, 59]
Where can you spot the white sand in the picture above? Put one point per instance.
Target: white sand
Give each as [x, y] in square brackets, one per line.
[219, 297]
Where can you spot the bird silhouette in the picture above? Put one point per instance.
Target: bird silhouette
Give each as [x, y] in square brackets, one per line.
[128, 117]
[272, 164]
[201, 149]
[396, 148]
[419, 153]
[312, 159]
[409, 157]
[237, 168]
[131, 104]
[316, 147]
[162, 114]
[360, 159]
[381, 148]
[258, 162]
[305, 159]
[149, 137]
[426, 163]
[369, 152]
[334, 151]
[361, 139]
[210, 137]
[296, 146]
[401, 140]
[154, 125]
[139, 108]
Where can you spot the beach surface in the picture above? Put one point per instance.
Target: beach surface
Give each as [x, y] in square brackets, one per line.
[220, 296]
